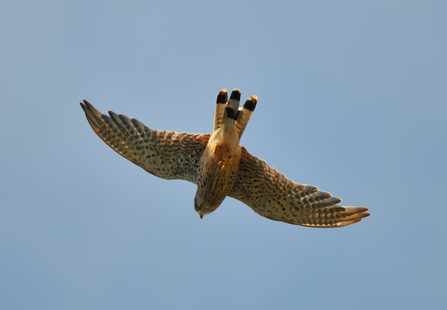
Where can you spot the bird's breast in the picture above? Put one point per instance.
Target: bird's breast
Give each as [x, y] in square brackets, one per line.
[216, 175]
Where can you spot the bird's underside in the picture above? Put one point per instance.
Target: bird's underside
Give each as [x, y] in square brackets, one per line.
[221, 167]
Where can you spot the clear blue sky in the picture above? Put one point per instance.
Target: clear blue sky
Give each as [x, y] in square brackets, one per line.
[352, 98]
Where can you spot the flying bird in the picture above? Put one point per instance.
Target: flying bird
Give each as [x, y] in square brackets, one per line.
[220, 166]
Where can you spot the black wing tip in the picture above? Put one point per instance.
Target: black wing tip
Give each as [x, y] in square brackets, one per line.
[112, 114]
[222, 96]
[235, 94]
[85, 105]
[361, 211]
[365, 214]
[358, 213]
[88, 108]
[358, 217]
[251, 102]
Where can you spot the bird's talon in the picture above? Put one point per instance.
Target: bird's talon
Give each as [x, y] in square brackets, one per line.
[222, 163]
[215, 148]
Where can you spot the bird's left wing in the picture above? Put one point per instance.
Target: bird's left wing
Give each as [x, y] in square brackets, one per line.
[270, 194]
[165, 154]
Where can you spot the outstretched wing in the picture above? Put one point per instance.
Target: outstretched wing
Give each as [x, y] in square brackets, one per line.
[270, 194]
[165, 154]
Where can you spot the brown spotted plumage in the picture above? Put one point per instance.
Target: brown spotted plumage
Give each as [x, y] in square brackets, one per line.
[221, 167]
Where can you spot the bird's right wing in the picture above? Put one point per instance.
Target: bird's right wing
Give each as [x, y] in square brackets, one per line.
[270, 194]
[165, 154]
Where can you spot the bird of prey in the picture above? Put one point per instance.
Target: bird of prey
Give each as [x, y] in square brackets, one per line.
[220, 166]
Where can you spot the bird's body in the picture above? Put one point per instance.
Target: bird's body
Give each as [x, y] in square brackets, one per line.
[219, 163]
[221, 167]
[216, 174]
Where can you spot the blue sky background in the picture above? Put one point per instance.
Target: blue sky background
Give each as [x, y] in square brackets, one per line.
[352, 98]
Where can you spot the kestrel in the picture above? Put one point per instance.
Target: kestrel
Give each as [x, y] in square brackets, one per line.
[221, 167]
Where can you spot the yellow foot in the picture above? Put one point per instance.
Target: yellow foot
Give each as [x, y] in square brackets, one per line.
[222, 163]
[215, 148]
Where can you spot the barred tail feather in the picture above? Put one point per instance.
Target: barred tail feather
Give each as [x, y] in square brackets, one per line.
[245, 113]
[231, 109]
[221, 103]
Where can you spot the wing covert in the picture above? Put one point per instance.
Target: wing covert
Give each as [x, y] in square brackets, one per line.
[165, 154]
[270, 194]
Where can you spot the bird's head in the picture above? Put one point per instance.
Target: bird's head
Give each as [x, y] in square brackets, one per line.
[199, 206]
[204, 207]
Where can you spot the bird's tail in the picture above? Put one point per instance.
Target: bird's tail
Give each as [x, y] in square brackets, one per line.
[245, 113]
[221, 104]
[229, 113]
[231, 110]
